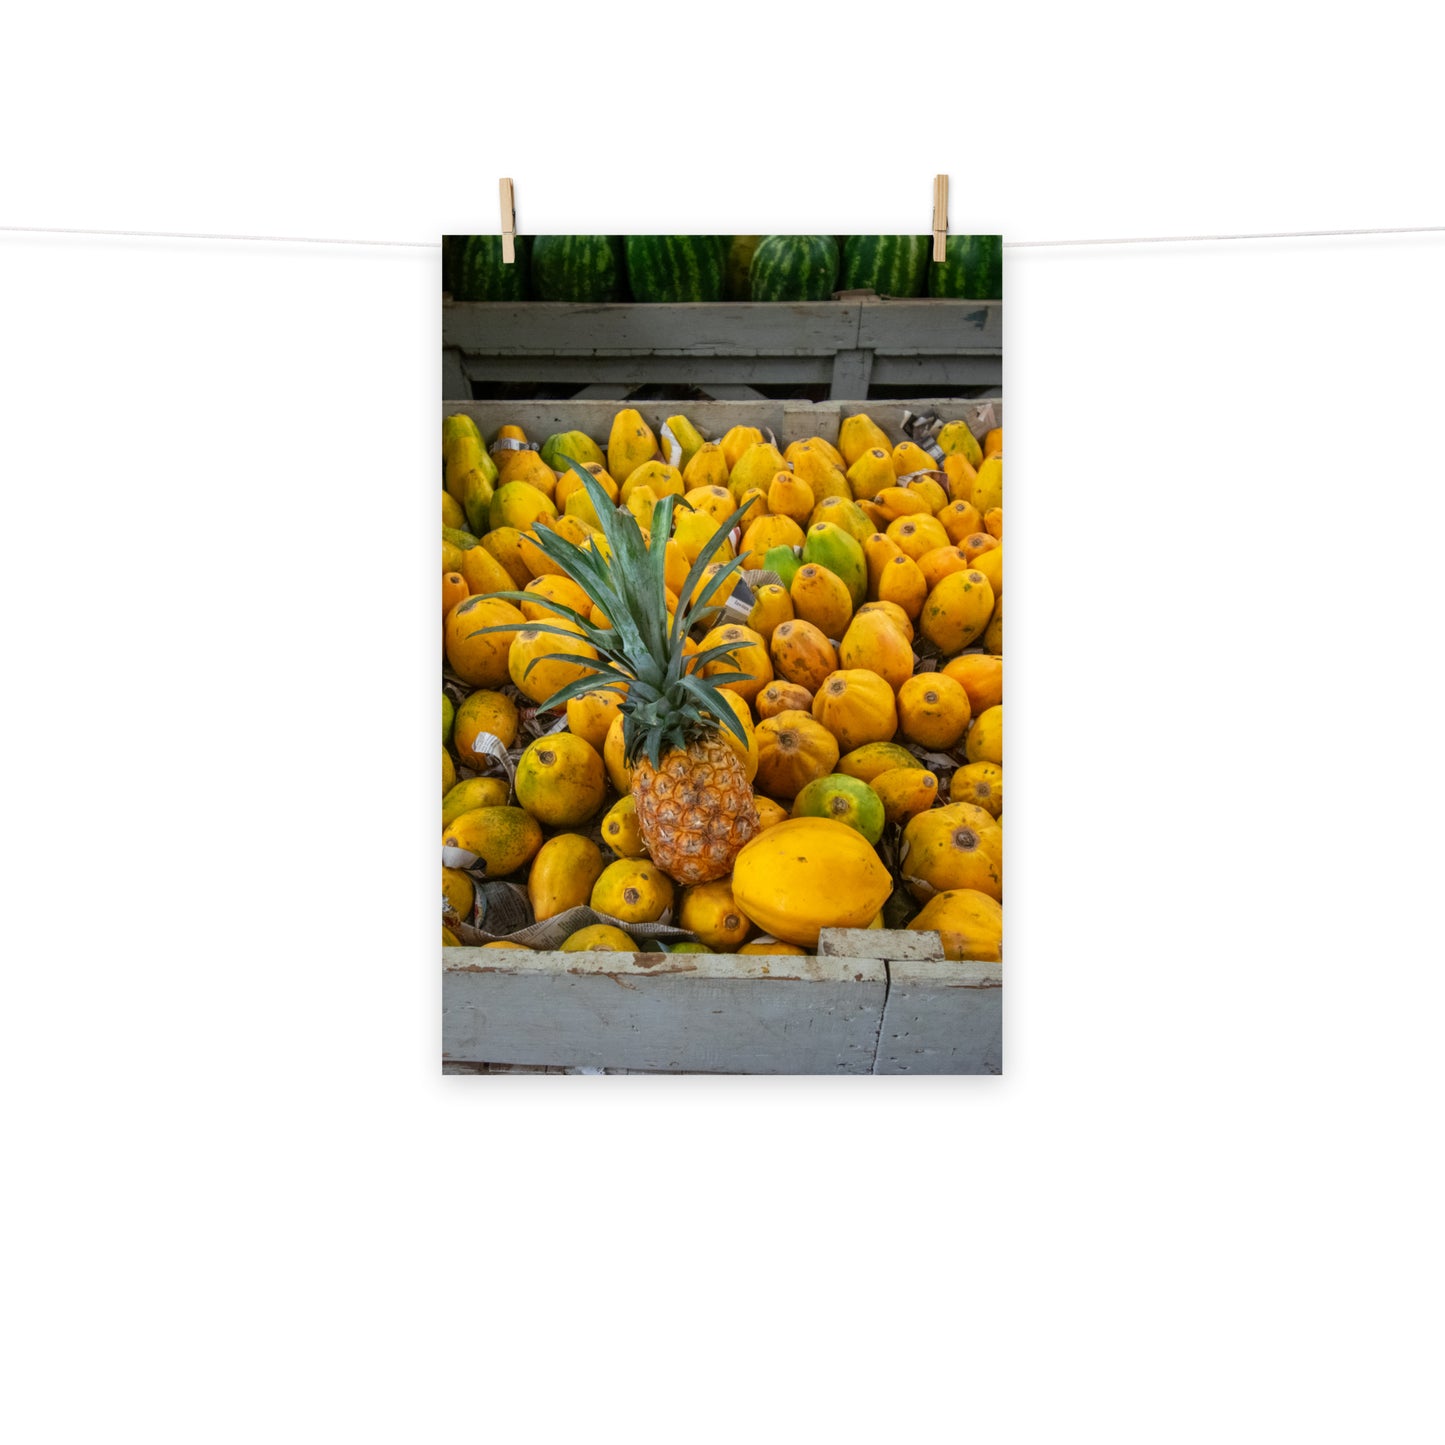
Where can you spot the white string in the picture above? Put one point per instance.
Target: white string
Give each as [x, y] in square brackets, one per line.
[1232, 236]
[1008, 245]
[216, 236]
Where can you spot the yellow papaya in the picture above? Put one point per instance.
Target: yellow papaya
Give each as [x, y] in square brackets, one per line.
[905, 792]
[980, 676]
[772, 606]
[820, 597]
[979, 783]
[933, 711]
[710, 911]
[797, 878]
[749, 655]
[504, 838]
[680, 441]
[664, 480]
[793, 750]
[957, 438]
[802, 653]
[872, 760]
[874, 643]
[909, 457]
[857, 707]
[561, 780]
[871, 473]
[708, 467]
[969, 922]
[860, 433]
[633, 890]
[736, 441]
[620, 829]
[756, 468]
[562, 874]
[984, 742]
[629, 444]
[957, 611]
[958, 846]
[988, 489]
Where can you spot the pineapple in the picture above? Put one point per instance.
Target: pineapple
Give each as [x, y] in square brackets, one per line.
[695, 807]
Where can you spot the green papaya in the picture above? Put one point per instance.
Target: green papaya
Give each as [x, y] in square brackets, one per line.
[828, 545]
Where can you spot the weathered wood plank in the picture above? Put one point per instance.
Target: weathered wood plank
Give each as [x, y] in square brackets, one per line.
[923, 372]
[852, 371]
[454, 379]
[942, 1017]
[888, 943]
[639, 369]
[931, 327]
[732, 391]
[694, 1013]
[734, 328]
[603, 391]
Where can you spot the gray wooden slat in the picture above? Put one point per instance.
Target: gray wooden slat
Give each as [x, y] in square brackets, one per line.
[654, 367]
[734, 328]
[931, 327]
[454, 379]
[603, 391]
[733, 391]
[696, 1013]
[851, 373]
[942, 1017]
[923, 372]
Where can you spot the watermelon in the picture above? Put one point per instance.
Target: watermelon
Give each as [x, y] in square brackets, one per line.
[794, 268]
[973, 269]
[480, 274]
[676, 268]
[579, 268]
[735, 269]
[889, 265]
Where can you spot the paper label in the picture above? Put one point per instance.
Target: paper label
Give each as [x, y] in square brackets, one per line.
[671, 446]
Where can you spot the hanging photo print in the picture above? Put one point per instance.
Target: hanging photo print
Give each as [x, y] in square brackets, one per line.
[722, 655]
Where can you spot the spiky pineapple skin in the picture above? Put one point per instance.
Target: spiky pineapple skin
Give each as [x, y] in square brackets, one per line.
[695, 810]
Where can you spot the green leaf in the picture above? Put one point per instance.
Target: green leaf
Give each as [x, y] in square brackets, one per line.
[713, 701]
[578, 688]
[696, 661]
[699, 566]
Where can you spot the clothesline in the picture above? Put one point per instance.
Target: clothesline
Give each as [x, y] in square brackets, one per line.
[436, 245]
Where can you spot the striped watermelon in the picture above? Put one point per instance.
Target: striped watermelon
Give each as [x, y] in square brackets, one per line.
[676, 268]
[972, 270]
[579, 268]
[889, 265]
[479, 273]
[794, 268]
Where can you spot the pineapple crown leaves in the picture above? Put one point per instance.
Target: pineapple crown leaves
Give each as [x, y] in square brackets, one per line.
[667, 703]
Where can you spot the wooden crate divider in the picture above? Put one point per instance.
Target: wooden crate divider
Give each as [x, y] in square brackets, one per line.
[869, 1002]
[848, 345]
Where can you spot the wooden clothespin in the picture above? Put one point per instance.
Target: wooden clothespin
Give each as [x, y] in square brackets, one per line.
[509, 223]
[940, 218]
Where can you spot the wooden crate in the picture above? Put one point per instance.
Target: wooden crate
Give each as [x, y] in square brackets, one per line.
[728, 348]
[790, 421]
[870, 1002]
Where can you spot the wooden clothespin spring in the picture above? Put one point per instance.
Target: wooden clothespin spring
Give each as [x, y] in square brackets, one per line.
[940, 218]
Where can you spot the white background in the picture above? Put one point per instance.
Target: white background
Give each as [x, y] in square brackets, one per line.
[1203, 1204]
